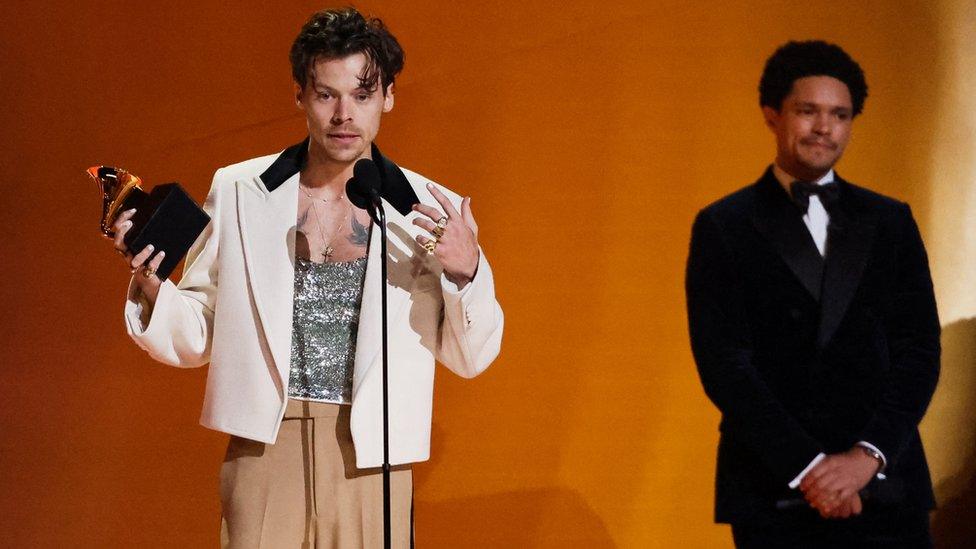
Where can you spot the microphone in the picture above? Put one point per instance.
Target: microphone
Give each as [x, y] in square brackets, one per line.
[363, 187]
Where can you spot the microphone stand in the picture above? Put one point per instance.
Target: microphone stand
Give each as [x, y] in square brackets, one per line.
[363, 191]
[379, 216]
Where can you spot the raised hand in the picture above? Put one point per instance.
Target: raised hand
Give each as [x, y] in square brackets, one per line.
[453, 237]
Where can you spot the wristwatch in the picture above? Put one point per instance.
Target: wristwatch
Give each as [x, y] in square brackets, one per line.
[877, 457]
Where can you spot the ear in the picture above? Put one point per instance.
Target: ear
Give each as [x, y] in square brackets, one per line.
[388, 99]
[771, 116]
[298, 95]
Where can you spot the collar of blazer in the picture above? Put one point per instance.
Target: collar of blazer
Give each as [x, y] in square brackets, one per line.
[394, 185]
[831, 280]
[267, 215]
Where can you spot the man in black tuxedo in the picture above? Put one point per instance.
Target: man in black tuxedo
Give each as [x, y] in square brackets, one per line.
[814, 327]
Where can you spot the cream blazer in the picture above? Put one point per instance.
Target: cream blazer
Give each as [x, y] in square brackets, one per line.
[233, 309]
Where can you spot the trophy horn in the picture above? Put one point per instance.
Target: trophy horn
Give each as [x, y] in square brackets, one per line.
[120, 190]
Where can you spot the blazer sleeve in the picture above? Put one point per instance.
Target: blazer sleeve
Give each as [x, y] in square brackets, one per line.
[912, 329]
[722, 347]
[471, 330]
[179, 328]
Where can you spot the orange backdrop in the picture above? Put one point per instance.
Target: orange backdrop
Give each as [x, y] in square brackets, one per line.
[588, 134]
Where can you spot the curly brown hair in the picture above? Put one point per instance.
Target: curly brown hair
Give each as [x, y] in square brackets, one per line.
[333, 34]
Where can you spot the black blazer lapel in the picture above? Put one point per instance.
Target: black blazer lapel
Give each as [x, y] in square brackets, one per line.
[780, 222]
[396, 189]
[850, 236]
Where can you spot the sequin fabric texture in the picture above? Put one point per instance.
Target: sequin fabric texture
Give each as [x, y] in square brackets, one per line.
[324, 324]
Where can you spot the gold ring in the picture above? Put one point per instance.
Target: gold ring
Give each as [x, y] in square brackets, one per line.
[148, 272]
[430, 245]
[442, 223]
[121, 252]
[438, 231]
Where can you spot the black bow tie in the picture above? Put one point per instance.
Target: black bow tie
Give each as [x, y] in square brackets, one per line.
[800, 192]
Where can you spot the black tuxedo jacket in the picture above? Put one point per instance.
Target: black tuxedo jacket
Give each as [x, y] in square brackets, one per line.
[804, 354]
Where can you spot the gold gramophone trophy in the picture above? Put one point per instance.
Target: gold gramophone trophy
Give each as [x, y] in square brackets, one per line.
[166, 217]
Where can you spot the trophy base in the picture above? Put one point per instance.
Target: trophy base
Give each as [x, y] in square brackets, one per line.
[168, 219]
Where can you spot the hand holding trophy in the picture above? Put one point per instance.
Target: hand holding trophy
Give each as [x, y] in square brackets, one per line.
[145, 272]
[152, 231]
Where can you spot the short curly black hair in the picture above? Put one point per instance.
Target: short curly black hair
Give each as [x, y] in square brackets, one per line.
[795, 60]
[333, 34]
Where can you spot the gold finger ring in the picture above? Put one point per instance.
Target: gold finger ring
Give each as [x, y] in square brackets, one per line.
[438, 231]
[430, 245]
[442, 223]
[121, 252]
[148, 272]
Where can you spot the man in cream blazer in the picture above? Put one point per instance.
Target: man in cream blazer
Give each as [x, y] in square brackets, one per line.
[233, 309]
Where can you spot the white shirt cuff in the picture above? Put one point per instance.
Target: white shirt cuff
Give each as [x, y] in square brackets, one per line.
[799, 478]
[884, 460]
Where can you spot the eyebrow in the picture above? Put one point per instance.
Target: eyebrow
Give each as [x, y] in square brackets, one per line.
[330, 89]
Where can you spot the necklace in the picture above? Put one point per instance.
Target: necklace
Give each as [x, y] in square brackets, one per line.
[308, 194]
[329, 250]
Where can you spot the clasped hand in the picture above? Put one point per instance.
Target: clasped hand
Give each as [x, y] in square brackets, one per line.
[832, 486]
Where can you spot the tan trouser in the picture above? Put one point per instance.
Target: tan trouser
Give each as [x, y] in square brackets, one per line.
[305, 490]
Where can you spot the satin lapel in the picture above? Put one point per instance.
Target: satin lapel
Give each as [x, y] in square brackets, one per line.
[267, 222]
[780, 223]
[850, 237]
[399, 263]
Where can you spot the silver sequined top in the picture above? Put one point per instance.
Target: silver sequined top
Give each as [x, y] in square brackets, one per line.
[324, 324]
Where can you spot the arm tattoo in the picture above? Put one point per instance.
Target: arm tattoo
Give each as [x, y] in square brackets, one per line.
[360, 234]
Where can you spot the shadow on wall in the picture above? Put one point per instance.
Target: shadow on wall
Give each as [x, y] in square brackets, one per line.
[954, 522]
[542, 518]
[547, 517]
